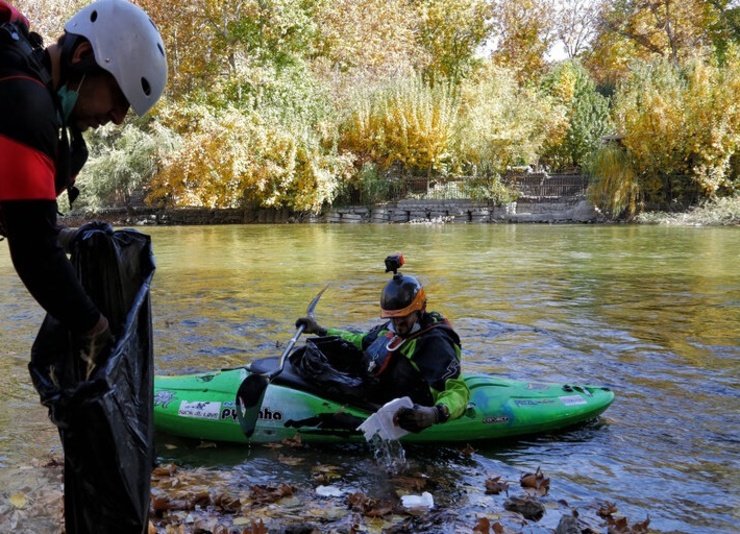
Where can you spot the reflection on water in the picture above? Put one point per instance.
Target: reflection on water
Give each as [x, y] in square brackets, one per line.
[652, 312]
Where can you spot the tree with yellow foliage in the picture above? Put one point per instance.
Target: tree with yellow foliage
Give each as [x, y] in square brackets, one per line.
[408, 122]
[451, 31]
[502, 123]
[651, 29]
[235, 158]
[524, 31]
[680, 130]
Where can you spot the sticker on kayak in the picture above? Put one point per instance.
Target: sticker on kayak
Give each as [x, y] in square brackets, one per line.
[163, 398]
[200, 410]
[533, 402]
[573, 400]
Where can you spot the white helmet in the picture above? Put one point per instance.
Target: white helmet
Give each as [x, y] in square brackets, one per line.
[127, 44]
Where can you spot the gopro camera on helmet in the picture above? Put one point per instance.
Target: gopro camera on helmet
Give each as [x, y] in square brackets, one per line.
[393, 263]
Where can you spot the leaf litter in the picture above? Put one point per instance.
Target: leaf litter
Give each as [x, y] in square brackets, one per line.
[198, 500]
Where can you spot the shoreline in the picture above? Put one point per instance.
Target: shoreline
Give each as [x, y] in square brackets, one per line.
[526, 210]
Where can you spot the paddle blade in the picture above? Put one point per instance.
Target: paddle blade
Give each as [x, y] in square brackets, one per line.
[249, 399]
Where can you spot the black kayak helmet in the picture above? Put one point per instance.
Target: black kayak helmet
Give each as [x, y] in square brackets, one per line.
[403, 294]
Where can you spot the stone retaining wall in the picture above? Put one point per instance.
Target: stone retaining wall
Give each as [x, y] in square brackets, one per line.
[524, 210]
[533, 210]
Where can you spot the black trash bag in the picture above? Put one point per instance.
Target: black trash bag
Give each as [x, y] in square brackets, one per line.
[105, 422]
[332, 365]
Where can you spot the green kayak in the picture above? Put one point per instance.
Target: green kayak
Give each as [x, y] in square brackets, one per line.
[203, 406]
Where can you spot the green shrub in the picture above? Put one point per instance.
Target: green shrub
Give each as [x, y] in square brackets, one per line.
[122, 161]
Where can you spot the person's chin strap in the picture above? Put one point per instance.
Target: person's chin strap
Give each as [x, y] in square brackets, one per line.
[414, 329]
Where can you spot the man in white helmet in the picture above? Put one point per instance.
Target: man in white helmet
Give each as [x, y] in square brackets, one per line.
[111, 57]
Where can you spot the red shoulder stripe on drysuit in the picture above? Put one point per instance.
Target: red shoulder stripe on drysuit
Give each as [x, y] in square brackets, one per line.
[22, 77]
[25, 174]
[11, 14]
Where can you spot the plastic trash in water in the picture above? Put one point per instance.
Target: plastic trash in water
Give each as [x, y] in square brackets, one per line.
[425, 500]
[381, 422]
[329, 491]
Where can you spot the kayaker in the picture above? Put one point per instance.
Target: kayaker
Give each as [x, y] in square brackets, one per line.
[110, 57]
[414, 353]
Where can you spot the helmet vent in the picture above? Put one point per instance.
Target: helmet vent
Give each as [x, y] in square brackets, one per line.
[94, 15]
[146, 87]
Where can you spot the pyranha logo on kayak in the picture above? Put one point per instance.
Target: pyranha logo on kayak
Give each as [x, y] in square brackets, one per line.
[229, 412]
[266, 413]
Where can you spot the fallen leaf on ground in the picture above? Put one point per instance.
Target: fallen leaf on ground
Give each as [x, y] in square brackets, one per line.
[413, 483]
[53, 461]
[228, 502]
[164, 470]
[269, 494]
[608, 509]
[621, 526]
[495, 485]
[290, 460]
[19, 500]
[295, 441]
[369, 507]
[324, 474]
[535, 482]
[482, 525]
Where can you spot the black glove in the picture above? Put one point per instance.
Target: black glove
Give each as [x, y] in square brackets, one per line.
[310, 326]
[417, 418]
[66, 238]
[94, 346]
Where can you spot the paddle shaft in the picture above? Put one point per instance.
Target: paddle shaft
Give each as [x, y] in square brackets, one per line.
[252, 390]
[281, 362]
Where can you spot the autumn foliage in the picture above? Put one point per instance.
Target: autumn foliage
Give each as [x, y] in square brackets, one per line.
[288, 103]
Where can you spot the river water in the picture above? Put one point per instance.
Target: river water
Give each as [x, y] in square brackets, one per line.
[652, 312]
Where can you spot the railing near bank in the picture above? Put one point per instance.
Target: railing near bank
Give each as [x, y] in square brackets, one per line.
[549, 185]
[538, 185]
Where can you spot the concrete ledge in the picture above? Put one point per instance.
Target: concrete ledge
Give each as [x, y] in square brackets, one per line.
[524, 210]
